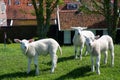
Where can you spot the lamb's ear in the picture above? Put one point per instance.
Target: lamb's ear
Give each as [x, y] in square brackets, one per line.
[17, 40]
[73, 28]
[31, 40]
[82, 28]
[97, 37]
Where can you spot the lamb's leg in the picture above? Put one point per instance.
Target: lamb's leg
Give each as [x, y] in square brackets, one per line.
[36, 65]
[112, 54]
[92, 62]
[76, 48]
[106, 57]
[54, 62]
[81, 49]
[98, 64]
[29, 63]
[86, 50]
[112, 58]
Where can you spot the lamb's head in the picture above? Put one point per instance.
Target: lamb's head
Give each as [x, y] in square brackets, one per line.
[89, 43]
[78, 32]
[24, 44]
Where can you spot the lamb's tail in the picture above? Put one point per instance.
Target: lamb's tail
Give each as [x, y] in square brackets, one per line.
[60, 49]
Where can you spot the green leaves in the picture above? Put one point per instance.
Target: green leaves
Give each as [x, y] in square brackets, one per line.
[93, 8]
[43, 11]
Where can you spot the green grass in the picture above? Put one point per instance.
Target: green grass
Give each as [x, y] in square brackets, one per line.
[13, 66]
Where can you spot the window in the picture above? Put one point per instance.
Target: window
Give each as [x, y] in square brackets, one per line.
[3, 8]
[17, 2]
[67, 37]
[99, 32]
[72, 6]
[30, 3]
[105, 32]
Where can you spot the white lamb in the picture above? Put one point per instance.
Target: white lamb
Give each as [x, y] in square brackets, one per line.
[103, 44]
[33, 48]
[79, 39]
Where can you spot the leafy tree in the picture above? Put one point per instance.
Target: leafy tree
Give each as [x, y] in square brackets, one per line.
[106, 8]
[43, 11]
[112, 16]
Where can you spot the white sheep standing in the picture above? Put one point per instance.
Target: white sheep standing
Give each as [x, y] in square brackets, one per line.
[79, 39]
[33, 48]
[96, 47]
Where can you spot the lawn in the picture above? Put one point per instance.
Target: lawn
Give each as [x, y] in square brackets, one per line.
[13, 66]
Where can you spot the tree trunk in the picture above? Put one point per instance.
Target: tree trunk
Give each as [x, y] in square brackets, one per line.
[115, 20]
[112, 17]
[107, 12]
[43, 15]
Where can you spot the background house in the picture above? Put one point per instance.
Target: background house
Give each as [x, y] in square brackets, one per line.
[19, 12]
[69, 17]
[20, 21]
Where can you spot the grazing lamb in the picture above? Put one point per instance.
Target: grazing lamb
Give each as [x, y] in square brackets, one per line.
[79, 39]
[96, 47]
[33, 48]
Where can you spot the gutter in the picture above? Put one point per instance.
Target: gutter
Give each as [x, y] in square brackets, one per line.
[11, 22]
[58, 17]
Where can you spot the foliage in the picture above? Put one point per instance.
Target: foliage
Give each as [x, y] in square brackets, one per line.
[108, 10]
[93, 7]
[13, 65]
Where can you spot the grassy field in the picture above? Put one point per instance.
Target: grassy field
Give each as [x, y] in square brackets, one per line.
[13, 66]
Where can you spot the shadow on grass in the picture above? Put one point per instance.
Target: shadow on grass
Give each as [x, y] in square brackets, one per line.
[17, 75]
[62, 59]
[65, 58]
[76, 73]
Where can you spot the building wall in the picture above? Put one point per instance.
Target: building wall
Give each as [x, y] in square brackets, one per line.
[3, 17]
[65, 37]
[25, 32]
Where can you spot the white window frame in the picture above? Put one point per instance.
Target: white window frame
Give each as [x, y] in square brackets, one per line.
[105, 32]
[72, 6]
[17, 2]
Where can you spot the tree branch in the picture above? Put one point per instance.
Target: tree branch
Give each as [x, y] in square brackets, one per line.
[35, 6]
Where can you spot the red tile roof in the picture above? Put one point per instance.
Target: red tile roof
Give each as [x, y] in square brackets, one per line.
[68, 18]
[71, 19]
[20, 11]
